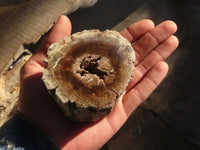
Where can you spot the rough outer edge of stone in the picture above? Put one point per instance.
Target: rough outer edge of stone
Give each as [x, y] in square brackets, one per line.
[69, 107]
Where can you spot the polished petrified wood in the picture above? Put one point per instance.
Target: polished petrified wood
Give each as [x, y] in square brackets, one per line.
[88, 71]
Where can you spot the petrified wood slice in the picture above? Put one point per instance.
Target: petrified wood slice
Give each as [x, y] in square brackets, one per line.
[88, 71]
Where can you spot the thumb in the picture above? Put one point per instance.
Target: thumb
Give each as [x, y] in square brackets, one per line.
[35, 64]
[61, 28]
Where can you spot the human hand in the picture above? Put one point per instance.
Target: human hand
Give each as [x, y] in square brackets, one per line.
[152, 46]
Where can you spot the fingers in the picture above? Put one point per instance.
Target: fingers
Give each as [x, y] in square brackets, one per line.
[152, 39]
[159, 54]
[141, 91]
[136, 30]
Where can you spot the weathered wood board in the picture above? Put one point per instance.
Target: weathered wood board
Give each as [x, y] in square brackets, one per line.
[23, 22]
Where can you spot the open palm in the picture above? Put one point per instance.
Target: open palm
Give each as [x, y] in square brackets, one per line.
[152, 46]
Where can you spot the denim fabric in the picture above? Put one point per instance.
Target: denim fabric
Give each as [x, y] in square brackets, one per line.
[18, 134]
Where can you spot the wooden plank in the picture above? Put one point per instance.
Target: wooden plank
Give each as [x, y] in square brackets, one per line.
[25, 22]
[9, 91]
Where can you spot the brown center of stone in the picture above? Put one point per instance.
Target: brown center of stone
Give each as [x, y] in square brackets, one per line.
[91, 65]
[94, 70]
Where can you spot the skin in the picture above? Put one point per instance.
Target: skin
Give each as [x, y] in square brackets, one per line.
[152, 46]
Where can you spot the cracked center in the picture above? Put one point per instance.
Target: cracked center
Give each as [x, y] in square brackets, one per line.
[90, 65]
[94, 70]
